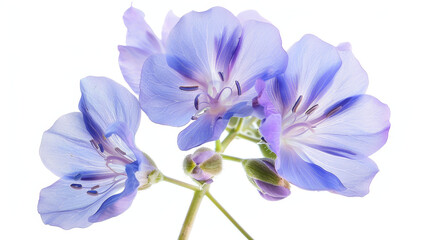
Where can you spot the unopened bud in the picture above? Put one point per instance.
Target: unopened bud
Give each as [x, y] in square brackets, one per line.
[263, 175]
[203, 165]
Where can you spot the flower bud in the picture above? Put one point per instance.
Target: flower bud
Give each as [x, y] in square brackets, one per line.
[203, 165]
[263, 175]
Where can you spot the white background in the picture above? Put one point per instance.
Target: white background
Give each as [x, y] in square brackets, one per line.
[46, 47]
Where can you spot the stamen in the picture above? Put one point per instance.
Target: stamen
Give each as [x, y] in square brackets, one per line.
[93, 144]
[237, 84]
[196, 101]
[199, 113]
[221, 76]
[295, 106]
[263, 140]
[333, 111]
[188, 88]
[101, 147]
[118, 150]
[312, 109]
[76, 186]
[77, 177]
[95, 187]
[92, 192]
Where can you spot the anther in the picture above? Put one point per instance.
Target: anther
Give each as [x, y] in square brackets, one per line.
[118, 150]
[312, 109]
[76, 186]
[237, 84]
[77, 177]
[95, 187]
[93, 144]
[196, 101]
[92, 192]
[188, 88]
[263, 140]
[295, 106]
[101, 147]
[333, 111]
[221, 76]
[194, 118]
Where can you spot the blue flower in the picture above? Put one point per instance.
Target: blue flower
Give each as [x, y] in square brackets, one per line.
[320, 122]
[208, 72]
[141, 43]
[94, 154]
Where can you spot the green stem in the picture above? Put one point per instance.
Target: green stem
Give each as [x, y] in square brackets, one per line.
[180, 183]
[192, 212]
[231, 158]
[217, 204]
[249, 138]
[231, 135]
[218, 146]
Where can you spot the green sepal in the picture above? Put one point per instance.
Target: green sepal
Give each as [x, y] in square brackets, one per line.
[213, 165]
[188, 164]
[155, 176]
[256, 169]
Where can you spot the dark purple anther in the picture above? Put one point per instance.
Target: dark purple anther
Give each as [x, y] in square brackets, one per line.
[188, 88]
[237, 84]
[295, 106]
[312, 109]
[118, 150]
[76, 186]
[333, 111]
[93, 144]
[101, 147]
[92, 192]
[221, 76]
[196, 102]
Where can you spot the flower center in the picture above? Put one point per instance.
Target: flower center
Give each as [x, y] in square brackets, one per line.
[216, 98]
[297, 123]
[115, 158]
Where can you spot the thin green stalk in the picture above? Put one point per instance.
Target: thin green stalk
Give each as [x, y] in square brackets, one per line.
[249, 138]
[217, 204]
[231, 135]
[192, 212]
[180, 183]
[231, 158]
[218, 146]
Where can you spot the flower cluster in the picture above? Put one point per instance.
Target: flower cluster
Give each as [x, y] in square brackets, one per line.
[306, 107]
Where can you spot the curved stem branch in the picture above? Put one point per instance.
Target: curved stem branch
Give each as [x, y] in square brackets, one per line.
[249, 138]
[192, 212]
[231, 135]
[217, 204]
[231, 158]
[218, 146]
[180, 183]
